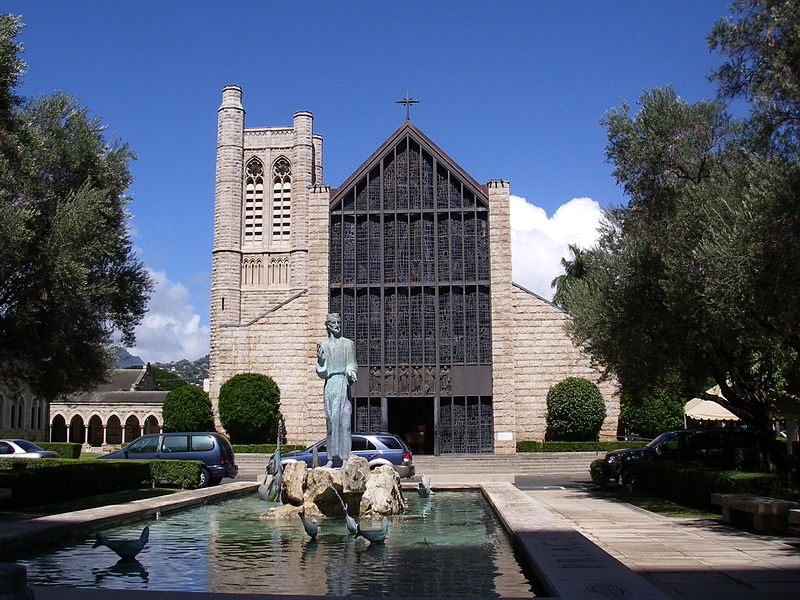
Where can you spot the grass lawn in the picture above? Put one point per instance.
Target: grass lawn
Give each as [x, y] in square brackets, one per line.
[122, 497]
[655, 504]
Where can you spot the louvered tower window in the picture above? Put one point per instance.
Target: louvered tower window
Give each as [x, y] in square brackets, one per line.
[254, 200]
[281, 199]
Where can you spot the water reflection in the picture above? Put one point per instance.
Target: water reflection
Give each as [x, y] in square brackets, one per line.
[122, 568]
[450, 545]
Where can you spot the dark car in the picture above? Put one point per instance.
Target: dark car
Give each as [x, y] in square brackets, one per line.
[23, 449]
[377, 448]
[213, 449]
[724, 448]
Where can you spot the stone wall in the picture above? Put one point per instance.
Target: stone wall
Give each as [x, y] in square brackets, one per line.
[544, 355]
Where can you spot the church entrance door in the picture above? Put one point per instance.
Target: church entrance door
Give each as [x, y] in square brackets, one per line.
[413, 420]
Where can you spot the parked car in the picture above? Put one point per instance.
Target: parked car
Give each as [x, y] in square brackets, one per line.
[377, 448]
[724, 448]
[23, 449]
[213, 449]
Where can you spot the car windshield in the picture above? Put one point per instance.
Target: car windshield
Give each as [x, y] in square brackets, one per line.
[659, 439]
[28, 446]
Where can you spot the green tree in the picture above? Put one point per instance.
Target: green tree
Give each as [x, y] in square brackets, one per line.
[249, 408]
[697, 276]
[762, 46]
[575, 410]
[575, 268]
[188, 408]
[69, 278]
[167, 380]
[651, 412]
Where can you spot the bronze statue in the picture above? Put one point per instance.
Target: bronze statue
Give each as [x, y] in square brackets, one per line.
[336, 364]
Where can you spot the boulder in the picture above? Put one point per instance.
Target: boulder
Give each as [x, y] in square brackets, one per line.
[383, 494]
[294, 482]
[288, 512]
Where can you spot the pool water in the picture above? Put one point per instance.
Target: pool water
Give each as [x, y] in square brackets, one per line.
[448, 545]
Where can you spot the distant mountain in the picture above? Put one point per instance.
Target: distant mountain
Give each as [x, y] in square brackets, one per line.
[125, 359]
[193, 371]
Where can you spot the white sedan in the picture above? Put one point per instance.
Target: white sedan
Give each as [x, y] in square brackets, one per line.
[23, 449]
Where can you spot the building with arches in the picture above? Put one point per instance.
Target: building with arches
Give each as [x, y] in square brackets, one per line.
[116, 412]
[416, 257]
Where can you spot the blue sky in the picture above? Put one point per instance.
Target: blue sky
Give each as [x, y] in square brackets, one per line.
[510, 90]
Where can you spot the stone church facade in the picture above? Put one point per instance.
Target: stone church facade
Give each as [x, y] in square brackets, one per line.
[416, 257]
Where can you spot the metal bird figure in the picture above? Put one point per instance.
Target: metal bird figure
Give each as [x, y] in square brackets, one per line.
[375, 536]
[125, 549]
[424, 488]
[352, 526]
[310, 525]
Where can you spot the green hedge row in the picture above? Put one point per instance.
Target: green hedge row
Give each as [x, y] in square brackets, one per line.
[533, 446]
[38, 481]
[64, 449]
[692, 484]
[264, 448]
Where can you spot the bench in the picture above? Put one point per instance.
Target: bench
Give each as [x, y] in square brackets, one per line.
[768, 515]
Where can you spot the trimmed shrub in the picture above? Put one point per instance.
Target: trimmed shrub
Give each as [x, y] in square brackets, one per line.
[188, 408]
[36, 481]
[264, 448]
[249, 408]
[64, 449]
[652, 412]
[692, 484]
[534, 446]
[575, 410]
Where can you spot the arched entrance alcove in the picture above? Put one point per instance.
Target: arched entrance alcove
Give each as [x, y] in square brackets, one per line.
[77, 433]
[151, 424]
[113, 430]
[58, 430]
[132, 429]
[95, 431]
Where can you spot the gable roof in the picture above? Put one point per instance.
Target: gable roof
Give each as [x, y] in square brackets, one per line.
[411, 130]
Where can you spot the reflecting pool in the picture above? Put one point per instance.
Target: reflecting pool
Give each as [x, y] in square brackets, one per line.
[448, 545]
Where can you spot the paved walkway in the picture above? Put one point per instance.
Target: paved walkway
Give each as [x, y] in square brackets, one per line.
[685, 558]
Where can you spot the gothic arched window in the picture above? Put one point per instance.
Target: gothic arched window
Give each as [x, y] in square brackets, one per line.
[281, 198]
[254, 200]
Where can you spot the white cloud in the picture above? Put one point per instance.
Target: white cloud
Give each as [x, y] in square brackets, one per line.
[538, 242]
[171, 328]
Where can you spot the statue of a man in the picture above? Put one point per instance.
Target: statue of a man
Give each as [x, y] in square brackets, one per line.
[336, 364]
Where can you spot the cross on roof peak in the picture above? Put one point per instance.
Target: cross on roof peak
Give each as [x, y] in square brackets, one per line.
[408, 101]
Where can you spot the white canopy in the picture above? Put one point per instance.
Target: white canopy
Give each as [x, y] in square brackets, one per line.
[707, 410]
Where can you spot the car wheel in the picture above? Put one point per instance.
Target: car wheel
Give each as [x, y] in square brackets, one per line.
[628, 478]
[205, 478]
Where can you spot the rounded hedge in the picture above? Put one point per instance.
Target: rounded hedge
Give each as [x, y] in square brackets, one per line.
[651, 412]
[187, 408]
[249, 408]
[575, 410]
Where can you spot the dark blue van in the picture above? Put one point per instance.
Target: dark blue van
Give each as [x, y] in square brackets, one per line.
[213, 449]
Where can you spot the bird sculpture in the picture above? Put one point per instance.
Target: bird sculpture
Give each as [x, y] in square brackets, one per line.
[352, 525]
[375, 536]
[310, 525]
[424, 488]
[125, 549]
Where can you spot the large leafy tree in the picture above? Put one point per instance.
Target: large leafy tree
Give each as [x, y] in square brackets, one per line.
[68, 276]
[576, 267]
[695, 280]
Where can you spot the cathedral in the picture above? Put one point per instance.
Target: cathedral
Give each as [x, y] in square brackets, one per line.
[416, 257]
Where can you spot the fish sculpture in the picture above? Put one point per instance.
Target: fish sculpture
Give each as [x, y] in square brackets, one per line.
[310, 525]
[125, 549]
[424, 488]
[274, 491]
[374, 536]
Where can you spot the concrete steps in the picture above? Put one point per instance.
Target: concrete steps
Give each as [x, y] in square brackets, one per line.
[543, 464]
